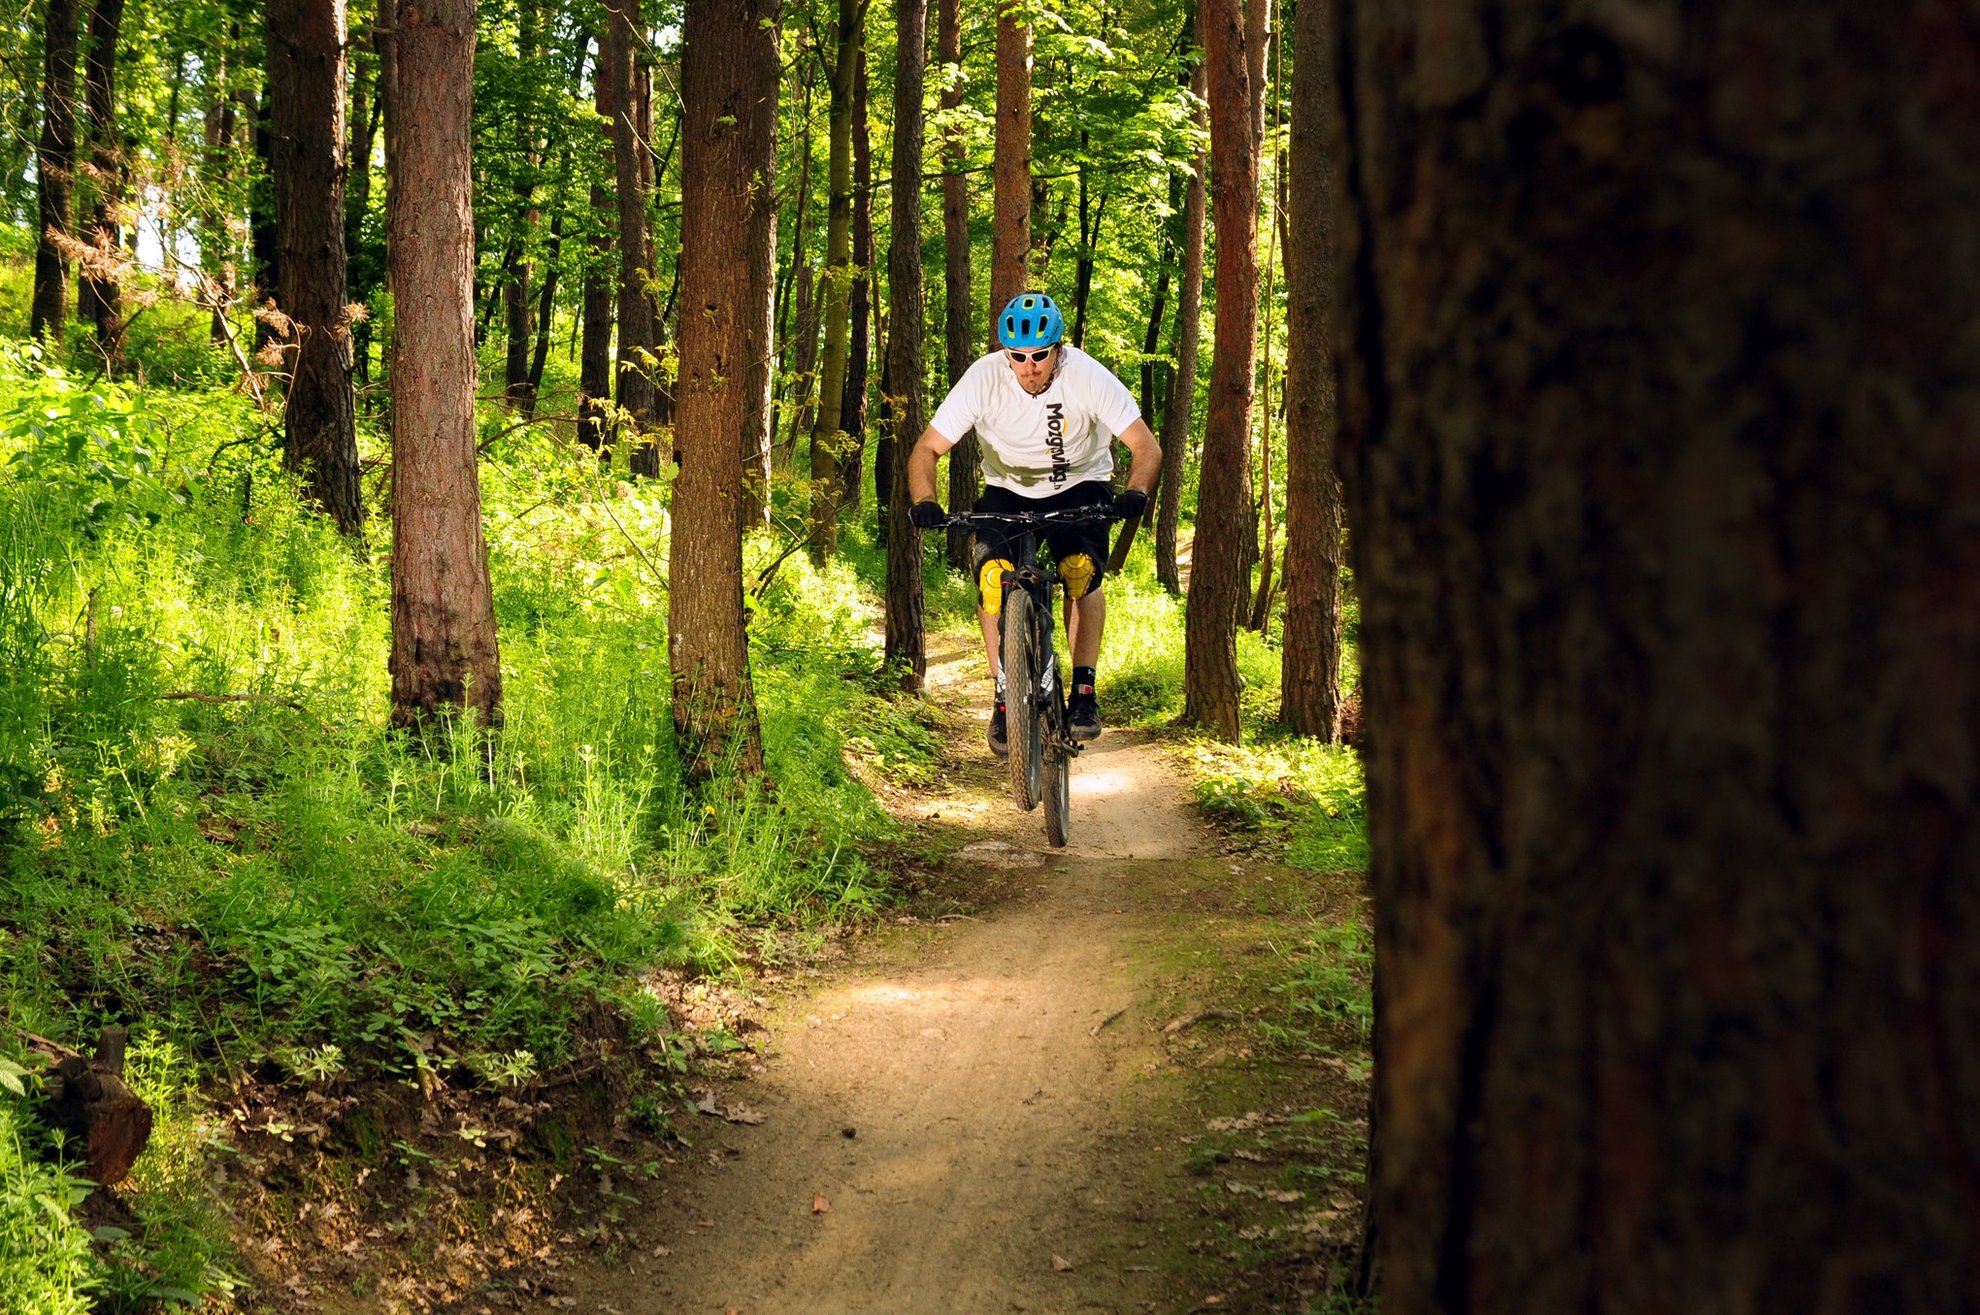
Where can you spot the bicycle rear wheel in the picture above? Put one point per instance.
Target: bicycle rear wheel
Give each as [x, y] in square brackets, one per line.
[1021, 719]
[1057, 789]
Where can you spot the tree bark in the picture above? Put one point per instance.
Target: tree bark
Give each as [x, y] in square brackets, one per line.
[727, 137]
[1261, 606]
[959, 338]
[595, 355]
[1181, 403]
[1310, 646]
[759, 374]
[828, 438]
[55, 163]
[216, 243]
[306, 108]
[264, 231]
[852, 404]
[1010, 225]
[1217, 581]
[444, 649]
[638, 335]
[905, 648]
[803, 382]
[1158, 306]
[1659, 445]
[99, 296]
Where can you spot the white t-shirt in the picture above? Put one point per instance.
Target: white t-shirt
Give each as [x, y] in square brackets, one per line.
[1039, 445]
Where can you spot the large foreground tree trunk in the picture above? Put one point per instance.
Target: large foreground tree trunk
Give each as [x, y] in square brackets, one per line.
[444, 652]
[727, 139]
[959, 338]
[1180, 405]
[1661, 453]
[905, 649]
[1310, 648]
[1217, 573]
[306, 94]
[54, 167]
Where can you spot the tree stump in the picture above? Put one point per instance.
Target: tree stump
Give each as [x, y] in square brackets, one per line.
[89, 1101]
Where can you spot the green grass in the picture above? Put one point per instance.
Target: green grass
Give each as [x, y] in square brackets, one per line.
[273, 881]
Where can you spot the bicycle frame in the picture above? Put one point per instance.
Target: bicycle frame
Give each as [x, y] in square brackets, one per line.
[1040, 580]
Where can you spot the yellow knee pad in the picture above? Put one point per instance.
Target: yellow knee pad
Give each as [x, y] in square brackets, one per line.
[1078, 572]
[990, 583]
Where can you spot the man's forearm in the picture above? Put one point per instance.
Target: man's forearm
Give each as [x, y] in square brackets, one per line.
[921, 471]
[1146, 451]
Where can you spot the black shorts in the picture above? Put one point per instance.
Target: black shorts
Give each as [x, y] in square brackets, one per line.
[993, 541]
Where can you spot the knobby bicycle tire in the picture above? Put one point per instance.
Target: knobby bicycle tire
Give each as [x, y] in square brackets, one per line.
[1021, 719]
[1057, 789]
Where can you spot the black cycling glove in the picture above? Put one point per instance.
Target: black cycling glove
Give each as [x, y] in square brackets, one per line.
[1129, 503]
[926, 516]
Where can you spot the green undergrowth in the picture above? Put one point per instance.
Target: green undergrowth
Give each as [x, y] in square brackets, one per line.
[207, 831]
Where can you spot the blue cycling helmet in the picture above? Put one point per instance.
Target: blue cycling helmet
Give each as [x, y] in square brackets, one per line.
[1031, 319]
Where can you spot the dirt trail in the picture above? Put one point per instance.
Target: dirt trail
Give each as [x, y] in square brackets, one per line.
[956, 1101]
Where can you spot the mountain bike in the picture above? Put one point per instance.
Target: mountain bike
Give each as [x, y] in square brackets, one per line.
[1036, 724]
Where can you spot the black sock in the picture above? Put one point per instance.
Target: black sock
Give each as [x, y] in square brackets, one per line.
[1082, 679]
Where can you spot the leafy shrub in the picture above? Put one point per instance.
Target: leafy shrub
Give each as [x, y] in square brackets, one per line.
[46, 1267]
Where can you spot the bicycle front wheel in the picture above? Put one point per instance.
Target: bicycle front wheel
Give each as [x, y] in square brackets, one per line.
[1057, 789]
[1021, 668]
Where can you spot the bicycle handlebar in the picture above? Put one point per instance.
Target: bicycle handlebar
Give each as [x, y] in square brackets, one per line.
[1061, 516]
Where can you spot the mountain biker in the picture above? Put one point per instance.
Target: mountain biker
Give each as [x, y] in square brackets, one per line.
[1046, 414]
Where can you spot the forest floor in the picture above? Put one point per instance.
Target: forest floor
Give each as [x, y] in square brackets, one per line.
[1056, 1081]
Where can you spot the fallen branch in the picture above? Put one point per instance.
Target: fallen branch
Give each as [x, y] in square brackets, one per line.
[1188, 1021]
[198, 696]
[1110, 1018]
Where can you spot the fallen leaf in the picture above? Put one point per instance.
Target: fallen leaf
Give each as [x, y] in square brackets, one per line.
[1285, 1198]
[1060, 1263]
[819, 1205]
[742, 1114]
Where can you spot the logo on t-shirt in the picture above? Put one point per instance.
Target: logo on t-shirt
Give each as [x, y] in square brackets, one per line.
[1055, 440]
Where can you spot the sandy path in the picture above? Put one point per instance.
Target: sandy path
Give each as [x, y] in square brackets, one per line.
[950, 1101]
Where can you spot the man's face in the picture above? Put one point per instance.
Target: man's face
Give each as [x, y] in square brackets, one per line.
[1033, 366]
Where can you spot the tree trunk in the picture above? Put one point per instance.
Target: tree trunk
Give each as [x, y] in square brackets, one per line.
[1662, 467]
[1090, 216]
[728, 162]
[361, 272]
[852, 405]
[959, 339]
[1217, 580]
[804, 396]
[217, 248]
[1181, 407]
[800, 207]
[638, 336]
[1158, 307]
[518, 312]
[306, 108]
[103, 193]
[594, 428]
[905, 650]
[1310, 647]
[759, 366]
[1010, 225]
[1261, 605]
[828, 439]
[444, 649]
[55, 163]
[264, 232]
